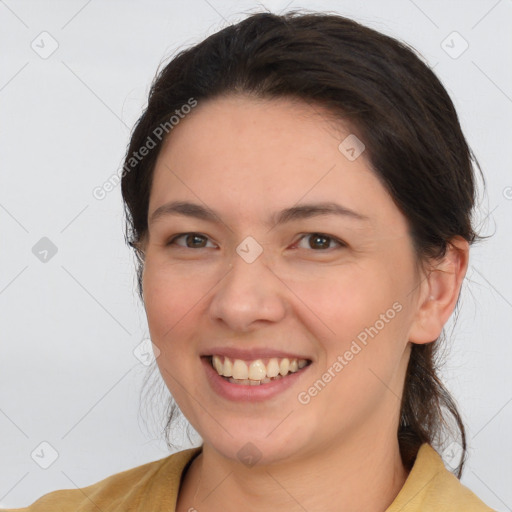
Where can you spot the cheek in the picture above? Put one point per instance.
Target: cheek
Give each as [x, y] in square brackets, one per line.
[359, 315]
[172, 302]
[345, 299]
[171, 298]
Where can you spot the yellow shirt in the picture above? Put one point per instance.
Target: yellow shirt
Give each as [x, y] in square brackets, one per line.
[152, 487]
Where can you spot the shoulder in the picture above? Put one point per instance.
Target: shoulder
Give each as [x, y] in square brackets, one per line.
[430, 487]
[139, 488]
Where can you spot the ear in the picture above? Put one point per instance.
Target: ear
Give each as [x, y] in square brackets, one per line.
[439, 291]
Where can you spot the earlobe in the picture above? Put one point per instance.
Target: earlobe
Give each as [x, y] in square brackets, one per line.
[439, 292]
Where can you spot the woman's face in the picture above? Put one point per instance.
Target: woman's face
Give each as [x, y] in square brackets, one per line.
[336, 289]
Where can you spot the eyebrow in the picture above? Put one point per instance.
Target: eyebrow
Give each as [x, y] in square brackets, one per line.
[304, 211]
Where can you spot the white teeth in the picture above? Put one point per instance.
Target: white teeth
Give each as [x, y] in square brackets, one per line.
[256, 372]
[273, 368]
[240, 370]
[253, 382]
[227, 368]
[217, 364]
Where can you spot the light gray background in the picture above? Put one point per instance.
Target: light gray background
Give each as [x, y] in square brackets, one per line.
[68, 374]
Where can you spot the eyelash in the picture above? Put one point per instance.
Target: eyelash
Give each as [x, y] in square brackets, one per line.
[303, 236]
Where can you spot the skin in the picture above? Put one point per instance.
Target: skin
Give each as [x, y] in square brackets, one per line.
[247, 158]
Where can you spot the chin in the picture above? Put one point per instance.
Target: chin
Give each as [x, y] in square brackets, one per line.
[260, 443]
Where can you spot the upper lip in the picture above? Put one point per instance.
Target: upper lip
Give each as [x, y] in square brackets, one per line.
[252, 354]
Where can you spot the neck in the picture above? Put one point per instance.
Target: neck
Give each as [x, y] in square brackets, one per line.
[363, 476]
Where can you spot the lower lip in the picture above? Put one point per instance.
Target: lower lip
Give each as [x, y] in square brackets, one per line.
[246, 392]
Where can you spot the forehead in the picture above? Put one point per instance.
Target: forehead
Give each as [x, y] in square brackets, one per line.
[248, 155]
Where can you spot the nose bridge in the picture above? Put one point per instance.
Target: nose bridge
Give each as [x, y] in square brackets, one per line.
[249, 291]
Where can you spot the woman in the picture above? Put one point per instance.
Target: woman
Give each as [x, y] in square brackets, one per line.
[299, 195]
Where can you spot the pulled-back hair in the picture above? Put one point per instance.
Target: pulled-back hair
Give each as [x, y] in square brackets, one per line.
[394, 103]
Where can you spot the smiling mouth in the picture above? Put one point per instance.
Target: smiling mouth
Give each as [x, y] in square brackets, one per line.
[257, 371]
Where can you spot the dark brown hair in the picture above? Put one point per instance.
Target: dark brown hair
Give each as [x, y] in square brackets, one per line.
[393, 102]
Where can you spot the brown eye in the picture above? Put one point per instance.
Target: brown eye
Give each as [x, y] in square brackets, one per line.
[319, 241]
[192, 240]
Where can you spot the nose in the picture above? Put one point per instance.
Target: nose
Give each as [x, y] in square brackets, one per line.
[250, 294]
